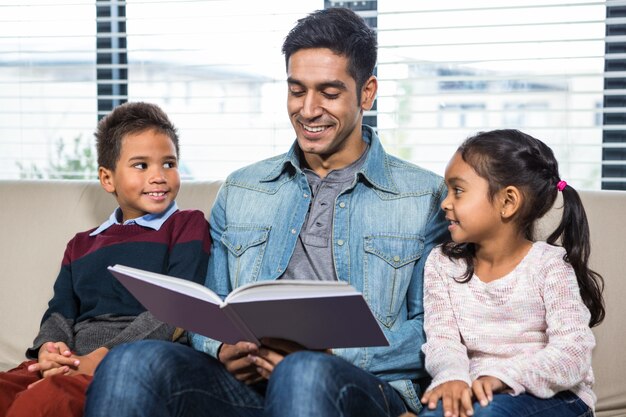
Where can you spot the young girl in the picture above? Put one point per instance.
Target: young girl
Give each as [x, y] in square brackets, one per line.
[508, 318]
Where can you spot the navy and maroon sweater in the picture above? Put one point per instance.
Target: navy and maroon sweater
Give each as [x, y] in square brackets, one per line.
[91, 309]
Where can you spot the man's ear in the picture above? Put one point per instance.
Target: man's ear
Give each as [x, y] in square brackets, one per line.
[511, 198]
[105, 176]
[368, 93]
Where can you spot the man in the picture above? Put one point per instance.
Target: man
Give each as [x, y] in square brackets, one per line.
[335, 207]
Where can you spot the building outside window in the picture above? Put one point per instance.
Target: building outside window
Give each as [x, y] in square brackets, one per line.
[447, 69]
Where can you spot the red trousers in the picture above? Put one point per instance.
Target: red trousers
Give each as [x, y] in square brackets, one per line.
[58, 396]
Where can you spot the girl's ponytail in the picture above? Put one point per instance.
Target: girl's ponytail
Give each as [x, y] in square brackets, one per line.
[574, 233]
[510, 157]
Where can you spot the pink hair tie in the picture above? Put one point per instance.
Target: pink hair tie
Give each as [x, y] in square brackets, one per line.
[561, 185]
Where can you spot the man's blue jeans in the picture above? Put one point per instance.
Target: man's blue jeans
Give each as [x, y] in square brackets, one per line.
[156, 378]
[563, 404]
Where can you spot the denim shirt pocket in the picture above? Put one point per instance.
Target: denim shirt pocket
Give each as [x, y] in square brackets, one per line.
[388, 269]
[246, 246]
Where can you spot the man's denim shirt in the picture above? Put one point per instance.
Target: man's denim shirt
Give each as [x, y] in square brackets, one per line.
[385, 224]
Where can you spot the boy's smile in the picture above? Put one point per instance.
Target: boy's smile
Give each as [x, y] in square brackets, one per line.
[146, 178]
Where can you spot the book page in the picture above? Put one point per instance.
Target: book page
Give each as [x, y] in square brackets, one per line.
[179, 285]
[316, 314]
[289, 289]
[182, 303]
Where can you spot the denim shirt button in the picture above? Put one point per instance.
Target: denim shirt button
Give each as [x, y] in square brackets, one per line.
[293, 231]
[396, 258]
[340, 242]
[305, 195]
[342, 204]
[238, 247]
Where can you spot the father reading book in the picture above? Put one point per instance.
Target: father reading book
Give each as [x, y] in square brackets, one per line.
[336, 207]
[315, 314]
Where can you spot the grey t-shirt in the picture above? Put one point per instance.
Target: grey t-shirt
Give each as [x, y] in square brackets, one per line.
[312, 258]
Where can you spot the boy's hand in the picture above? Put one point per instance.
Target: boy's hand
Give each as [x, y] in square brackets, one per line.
[456, 398]
[54, 358]
[484, 388]
[237, 361]
[89, 363]
[85, 364]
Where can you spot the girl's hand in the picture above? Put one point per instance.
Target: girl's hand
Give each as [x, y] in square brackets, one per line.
[484, 388]
[456, 398]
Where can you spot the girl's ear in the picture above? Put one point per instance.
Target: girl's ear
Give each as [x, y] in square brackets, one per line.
[511, 198]
[105, 176]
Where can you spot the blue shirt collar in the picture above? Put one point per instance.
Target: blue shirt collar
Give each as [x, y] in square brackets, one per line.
[150, 220]
[375, 168]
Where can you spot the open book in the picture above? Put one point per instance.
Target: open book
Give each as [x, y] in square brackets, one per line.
[315, 314]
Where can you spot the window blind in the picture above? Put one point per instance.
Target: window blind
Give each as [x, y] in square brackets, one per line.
[447, 69]
[614, 135]
[216, 67]
[450, 69]
[47, 88]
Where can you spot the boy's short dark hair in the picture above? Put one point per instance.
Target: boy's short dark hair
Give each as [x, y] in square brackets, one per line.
[129, 118]
[343, 32]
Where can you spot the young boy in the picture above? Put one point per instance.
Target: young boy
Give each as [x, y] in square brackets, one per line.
[90, 311]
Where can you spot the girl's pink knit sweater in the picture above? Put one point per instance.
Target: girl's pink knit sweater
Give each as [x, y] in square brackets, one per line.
[528, 328]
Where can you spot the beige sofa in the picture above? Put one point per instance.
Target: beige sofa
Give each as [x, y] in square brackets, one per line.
[37, 218]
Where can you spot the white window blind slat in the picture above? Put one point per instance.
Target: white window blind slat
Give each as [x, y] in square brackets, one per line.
[456, 68]
[446, 70]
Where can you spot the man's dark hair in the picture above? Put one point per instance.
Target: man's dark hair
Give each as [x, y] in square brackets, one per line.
[129, 118]
[343, 32]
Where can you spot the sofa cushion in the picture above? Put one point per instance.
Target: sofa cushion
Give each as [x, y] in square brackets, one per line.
[38, 218]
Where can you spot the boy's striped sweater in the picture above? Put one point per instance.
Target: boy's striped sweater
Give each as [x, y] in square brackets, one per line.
[91, 309]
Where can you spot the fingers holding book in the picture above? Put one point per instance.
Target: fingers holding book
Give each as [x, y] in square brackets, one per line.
[236, 360]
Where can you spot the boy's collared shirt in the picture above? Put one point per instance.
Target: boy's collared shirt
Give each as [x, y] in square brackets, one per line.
[150, 220]
[91, 309]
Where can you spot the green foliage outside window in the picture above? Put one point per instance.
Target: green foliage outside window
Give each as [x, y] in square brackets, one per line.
[66, 162]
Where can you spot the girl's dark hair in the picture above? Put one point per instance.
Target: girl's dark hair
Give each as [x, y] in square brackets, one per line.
[512, 158]
[343, 32]
[129, 118]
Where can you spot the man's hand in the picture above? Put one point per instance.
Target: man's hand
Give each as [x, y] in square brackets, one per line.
[271, 353]
[484, 388]
[237, 360]
[456, 398]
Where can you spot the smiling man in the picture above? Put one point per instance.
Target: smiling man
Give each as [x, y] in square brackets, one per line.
[326, 107]
[335, 207]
